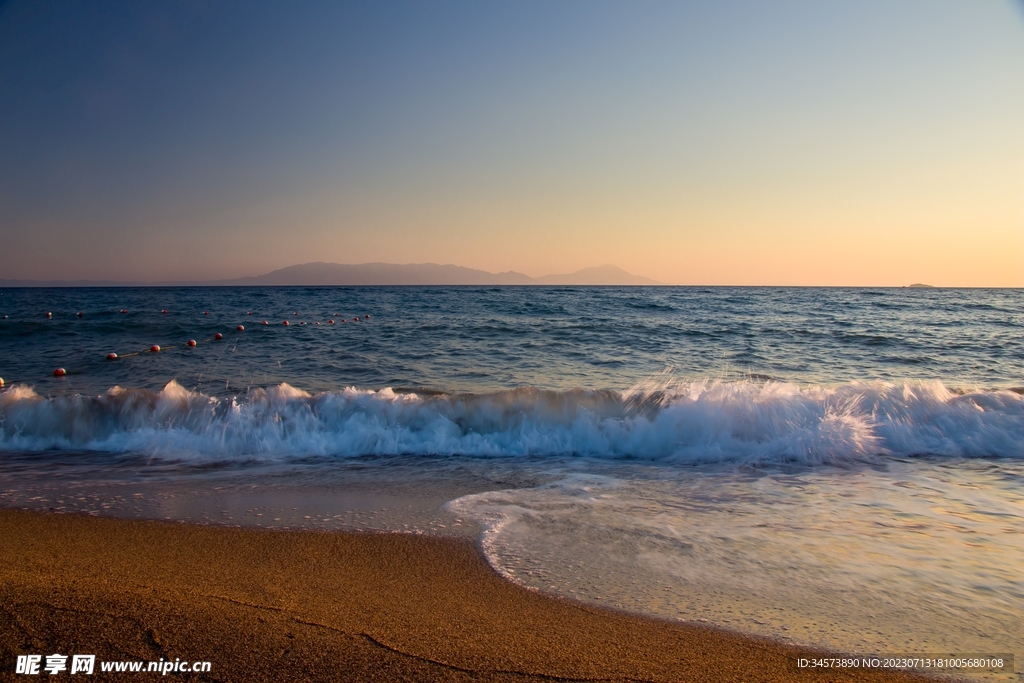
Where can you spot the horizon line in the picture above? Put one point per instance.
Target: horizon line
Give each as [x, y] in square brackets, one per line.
[103, 284]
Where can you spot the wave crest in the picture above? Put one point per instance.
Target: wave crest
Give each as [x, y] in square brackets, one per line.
[688, 422]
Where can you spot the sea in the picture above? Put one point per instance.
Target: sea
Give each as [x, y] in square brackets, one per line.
[842, 468]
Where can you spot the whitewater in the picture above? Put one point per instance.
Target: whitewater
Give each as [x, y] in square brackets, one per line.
[658, 420]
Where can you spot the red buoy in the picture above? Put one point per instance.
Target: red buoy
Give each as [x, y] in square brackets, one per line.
[49, 315]
[206, 313]
[218, 336]
[331, 321]
[302, 323]
[296, 312]
[5, 317]
[80, 314]
[265, 322]
[367, 316]
[111, 356]
[250, 312]
[317, 322]
[1, 381]
[355, 319]
[240, 328]
[286, 323]
[59, 372]
[342, 320]
[190, 342]
[154, 348]
[164, 311]
[124, 310]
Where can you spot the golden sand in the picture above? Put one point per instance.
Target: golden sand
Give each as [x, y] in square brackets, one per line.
[302, 605]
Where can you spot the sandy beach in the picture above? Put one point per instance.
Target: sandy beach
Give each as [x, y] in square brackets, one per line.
[297, 605]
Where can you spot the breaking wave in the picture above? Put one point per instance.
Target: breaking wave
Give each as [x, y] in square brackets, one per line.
[684, 422]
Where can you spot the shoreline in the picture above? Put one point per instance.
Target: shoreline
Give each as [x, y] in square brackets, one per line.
[273, 605]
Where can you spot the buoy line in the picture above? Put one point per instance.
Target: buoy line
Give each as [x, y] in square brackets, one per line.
[156, 348]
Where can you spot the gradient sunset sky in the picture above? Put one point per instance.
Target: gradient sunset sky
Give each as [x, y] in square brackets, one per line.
[790, 143]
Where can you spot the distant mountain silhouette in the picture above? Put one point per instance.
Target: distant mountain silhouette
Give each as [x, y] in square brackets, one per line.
[381, 274]
[320, 273]
[430, 274]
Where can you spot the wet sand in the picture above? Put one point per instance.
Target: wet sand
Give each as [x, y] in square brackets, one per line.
[305, 605]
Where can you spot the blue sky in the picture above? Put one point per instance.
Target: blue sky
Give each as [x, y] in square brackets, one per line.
[698, 143]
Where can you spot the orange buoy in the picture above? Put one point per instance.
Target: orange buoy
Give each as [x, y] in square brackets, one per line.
[111, 356]
[80, 314]
[240, 328]
[331, 321]
[154, 348]
[49, 315]
[218, 336]
[1, 381]
[164, 311]
[59, 372]
[286, 323]
[265, 322]
[190, 342]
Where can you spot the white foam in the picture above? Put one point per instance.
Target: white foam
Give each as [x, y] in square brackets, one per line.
[913, 555]
[683, 422]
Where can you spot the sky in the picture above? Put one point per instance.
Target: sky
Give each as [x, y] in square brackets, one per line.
[863, 143]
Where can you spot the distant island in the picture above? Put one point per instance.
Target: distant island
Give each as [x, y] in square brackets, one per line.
[327, 274]
[918, 285]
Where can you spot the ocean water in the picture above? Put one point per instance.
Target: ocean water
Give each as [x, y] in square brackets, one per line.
[836, 467]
